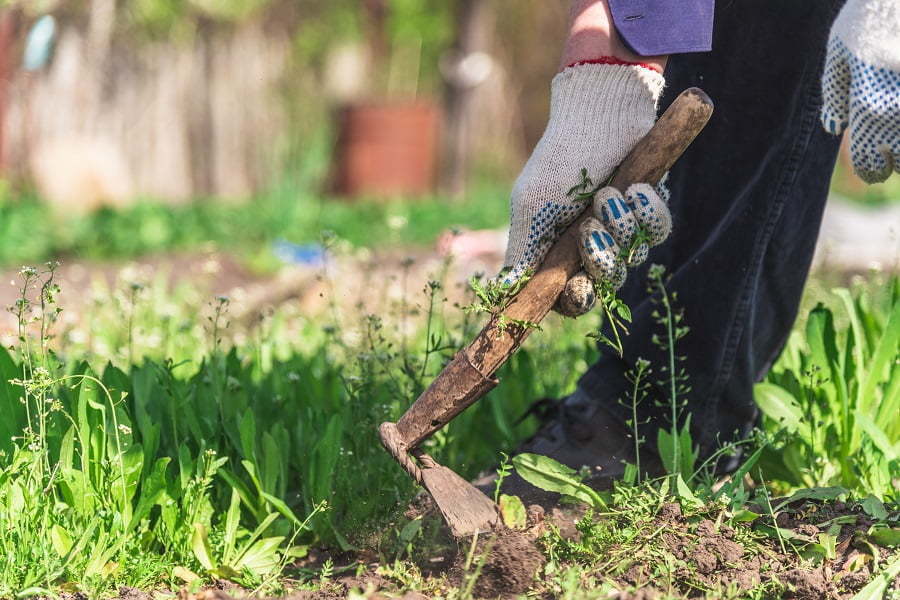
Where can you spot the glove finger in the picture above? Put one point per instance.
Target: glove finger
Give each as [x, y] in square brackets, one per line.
[578, 297]
[600, 253]
[617, 217]
[835, 114]
[872, 162]
[662, 189]
[650, 211]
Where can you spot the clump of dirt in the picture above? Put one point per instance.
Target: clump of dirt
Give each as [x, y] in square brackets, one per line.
[808, 585]
[131, 593]
[504, 563]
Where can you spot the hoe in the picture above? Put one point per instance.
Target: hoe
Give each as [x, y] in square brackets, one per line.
[470, 374]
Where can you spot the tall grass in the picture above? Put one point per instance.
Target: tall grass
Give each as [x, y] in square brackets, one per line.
[129, 467]
[161, 472]
[833, 398]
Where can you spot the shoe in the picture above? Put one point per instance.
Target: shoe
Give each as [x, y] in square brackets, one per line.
[581, 434]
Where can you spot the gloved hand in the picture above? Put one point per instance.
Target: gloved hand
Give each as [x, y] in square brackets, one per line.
[598, 112]
[861, 85]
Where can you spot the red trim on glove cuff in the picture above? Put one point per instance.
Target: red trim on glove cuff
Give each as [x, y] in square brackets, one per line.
[612, 60]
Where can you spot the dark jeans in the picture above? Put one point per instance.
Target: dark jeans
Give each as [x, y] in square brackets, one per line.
[747, 203]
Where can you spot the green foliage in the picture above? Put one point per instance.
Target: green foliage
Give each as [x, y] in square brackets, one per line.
[494, 296]
[219, 466]
[29, 232]
[835, 395]
[147, 471]
[550, 475]
[513, 511]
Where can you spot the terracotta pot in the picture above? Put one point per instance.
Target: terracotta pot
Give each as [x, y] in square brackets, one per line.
[386, 149]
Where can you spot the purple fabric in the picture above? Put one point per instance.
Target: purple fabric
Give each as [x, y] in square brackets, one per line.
[652, 27]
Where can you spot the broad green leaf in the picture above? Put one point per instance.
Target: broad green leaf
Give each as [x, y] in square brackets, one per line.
[297, 552]
[250, 467]
[260, 529]
[16, 502]
[410, 530]
[684, 492]
[34, 591]
[549, 475]
[102, 553]
[247, 429]
[185, 574]
[876, 588]
[737, 478]
[271, 463]
[744, 516]
[152, 490]
[874, 508]
[325, 457]
[889, 407]
[282, 508]
[779, 405]
[201, 548]
[859, 336]
[878, 437]
[67, 449]
[246, 496]
[185, 466]
[889, 537]
[262, 557]
[13, 411]
[820, 337]
[818, 493]
[667, 442]
[513, 512]
[783, 533]
[828, 543]
[60, 539]
[884, 355]
[232, 520]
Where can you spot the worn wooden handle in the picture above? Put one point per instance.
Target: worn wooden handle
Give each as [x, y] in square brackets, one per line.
[470, 374]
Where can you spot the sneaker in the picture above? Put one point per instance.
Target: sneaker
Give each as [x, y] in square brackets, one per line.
[581, 434]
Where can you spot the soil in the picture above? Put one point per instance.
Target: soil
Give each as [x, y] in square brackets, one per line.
[509, 561]
[710, 557]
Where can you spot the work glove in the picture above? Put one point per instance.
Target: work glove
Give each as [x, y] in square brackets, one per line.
[598, 112]
[861, 85]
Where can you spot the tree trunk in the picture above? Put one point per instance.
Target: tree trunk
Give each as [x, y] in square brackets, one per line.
[7, 62]
[471, 34]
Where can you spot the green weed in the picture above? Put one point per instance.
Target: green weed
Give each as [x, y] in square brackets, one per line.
[833, 397]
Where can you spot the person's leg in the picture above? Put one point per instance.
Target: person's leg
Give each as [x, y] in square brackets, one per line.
[747, 202]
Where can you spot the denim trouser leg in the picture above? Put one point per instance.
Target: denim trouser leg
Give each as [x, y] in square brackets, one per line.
[747, 203]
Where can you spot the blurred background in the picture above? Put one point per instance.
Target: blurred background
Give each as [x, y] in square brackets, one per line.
[245, 138]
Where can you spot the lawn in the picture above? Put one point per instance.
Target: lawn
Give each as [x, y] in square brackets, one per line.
[186, 450]
[31, 233]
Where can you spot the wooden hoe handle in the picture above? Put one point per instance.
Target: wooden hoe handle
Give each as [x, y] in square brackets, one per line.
[469, 376]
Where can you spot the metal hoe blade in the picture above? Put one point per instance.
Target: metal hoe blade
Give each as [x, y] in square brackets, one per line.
[465, 509]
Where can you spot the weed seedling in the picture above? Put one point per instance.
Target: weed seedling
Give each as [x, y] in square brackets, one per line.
[639, 390]
[495, 295]
[675, 446]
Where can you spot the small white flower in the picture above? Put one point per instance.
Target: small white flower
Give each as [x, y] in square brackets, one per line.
[125, 429]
